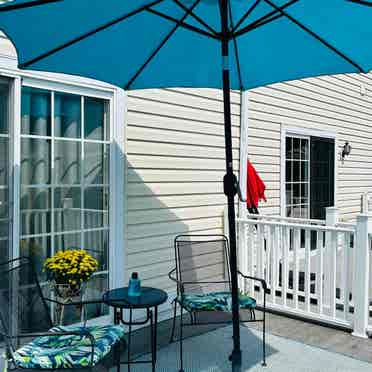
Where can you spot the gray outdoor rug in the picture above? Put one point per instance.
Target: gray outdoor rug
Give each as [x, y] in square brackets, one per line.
[209, 353]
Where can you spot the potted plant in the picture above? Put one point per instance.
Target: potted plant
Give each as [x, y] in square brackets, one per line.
[67, 271]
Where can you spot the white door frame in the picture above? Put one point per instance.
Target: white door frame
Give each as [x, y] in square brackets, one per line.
[303, 132]
[117, 182]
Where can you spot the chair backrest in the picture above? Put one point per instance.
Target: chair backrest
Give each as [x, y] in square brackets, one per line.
[203, 258]
[22, 305]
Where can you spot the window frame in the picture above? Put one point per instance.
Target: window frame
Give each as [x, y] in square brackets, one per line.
[303, 133]
[117, 166]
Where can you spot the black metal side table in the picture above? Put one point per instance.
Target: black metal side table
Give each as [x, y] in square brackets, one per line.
[149, 300]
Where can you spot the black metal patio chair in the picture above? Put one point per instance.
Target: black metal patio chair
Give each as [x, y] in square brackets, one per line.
[202, 276]
[33, 343]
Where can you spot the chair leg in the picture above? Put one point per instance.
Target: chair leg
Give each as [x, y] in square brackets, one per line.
[181, 341]
[117, 356]
[174, 321]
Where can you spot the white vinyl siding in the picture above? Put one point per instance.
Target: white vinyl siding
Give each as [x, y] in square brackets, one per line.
[176, 162]
[329, 103]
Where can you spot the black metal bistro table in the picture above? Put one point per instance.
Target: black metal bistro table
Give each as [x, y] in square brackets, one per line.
[149, 300]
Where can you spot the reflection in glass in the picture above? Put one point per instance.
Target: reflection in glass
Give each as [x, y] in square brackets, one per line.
[304, 171]
[95, 207]
[296, 171]
[304, 211]
[288, 171]
[296, 193]
[289, 212]
[35, 161]
[4, 202]
[36, 112]
[63, 242]
[4, 165]
[304, 149]
[4, 160]
[37, 249]
[67, 209]
[296, 148]
[67, 155]
[288, 193]
[288, 147]
[96, 163]
[96, 244]
[4, 107]
[95, 119]
[4, 248]
[67, 115]
[97, 285]
[35, 211]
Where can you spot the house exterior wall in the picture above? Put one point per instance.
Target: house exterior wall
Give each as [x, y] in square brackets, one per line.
[175, 156]
[176, 161]
[330, 103]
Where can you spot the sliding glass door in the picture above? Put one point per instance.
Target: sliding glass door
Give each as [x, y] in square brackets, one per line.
[64, 191]
[4, 172]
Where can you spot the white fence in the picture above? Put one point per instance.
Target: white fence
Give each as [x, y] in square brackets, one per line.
[314, 269]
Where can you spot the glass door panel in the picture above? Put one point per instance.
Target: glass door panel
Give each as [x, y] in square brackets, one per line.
[64, 181]
[4, 172]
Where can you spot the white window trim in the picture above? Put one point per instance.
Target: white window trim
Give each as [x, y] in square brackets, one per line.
[83, 87]
[306, 133]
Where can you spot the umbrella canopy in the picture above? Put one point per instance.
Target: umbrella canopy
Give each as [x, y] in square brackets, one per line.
[114, 40]
[186, 43]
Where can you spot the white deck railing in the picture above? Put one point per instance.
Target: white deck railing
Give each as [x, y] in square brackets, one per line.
[311, 267]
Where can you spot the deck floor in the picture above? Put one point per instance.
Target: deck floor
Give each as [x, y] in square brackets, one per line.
[292, 346]
[328, 339]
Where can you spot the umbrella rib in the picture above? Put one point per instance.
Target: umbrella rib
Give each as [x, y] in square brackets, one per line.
[246, 15]
[236, 50]
[197, 18]
[88, 34]
[183, 24]
[30, 4]
[360, 2]
[316, 36]
[264, 20]
[160, 46]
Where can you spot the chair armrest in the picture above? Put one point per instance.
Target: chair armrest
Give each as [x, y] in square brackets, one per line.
[173, 278]
[262, 281]
[215, 282]
[182, 284]
[75, 303]
[58, 334]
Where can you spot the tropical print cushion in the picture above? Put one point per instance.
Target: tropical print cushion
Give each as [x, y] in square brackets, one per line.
[215, 301]
[70, 351]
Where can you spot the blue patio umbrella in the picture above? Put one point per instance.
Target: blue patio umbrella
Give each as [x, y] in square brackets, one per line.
[229, 44]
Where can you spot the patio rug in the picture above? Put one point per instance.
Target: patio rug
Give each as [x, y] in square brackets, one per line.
[209, 353]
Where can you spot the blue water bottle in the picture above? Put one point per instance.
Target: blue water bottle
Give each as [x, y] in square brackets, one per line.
[134, 288]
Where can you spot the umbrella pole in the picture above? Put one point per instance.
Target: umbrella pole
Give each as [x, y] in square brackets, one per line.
[230, 187]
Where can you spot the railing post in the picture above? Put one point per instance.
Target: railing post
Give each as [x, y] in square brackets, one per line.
[330, 271]
[361, 276]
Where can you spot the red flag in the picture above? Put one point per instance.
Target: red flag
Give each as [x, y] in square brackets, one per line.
[255, 187]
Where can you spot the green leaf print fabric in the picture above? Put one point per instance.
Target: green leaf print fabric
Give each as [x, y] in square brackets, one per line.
[70, 351]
